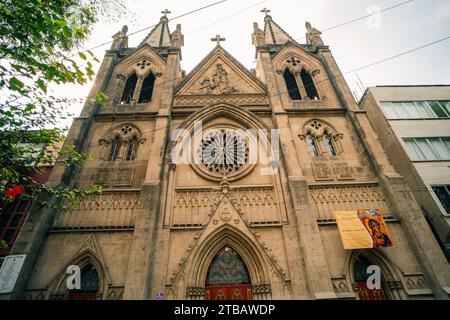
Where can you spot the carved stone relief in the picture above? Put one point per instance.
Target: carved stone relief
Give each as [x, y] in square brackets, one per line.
[322, 171]
[217, 83]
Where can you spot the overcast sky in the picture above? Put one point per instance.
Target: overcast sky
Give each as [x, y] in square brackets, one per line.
[353, 45]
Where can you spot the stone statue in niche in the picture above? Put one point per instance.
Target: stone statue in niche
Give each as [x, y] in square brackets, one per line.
[218, 83]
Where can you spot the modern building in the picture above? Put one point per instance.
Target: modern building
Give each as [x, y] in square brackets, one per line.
[231, 228]
[413, 125]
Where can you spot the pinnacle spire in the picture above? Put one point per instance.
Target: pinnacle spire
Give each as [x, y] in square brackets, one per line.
[274, 34]
[160, 35]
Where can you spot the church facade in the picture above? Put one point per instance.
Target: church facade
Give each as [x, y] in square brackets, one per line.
[172, 225]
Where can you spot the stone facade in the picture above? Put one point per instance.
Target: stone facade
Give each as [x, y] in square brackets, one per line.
[158, 225]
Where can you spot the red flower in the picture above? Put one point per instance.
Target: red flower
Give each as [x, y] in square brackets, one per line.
[14, 192]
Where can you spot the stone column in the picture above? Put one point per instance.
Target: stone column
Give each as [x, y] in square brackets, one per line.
[140, 278]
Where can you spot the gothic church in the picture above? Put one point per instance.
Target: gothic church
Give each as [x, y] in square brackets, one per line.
[163, 229]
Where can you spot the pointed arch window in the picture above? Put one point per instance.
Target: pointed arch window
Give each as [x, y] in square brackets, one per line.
[128, 91]
[132, 149]
[90, 285]
[227, 268]
[308, 83]
[114, 149]
[147, 89]
[361, 275]
[312, 146]
[328, 144]
[291, 84]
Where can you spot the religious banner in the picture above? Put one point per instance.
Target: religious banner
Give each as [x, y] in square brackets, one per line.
[363, 229]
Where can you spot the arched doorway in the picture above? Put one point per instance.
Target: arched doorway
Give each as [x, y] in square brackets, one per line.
[228, 277]
[361, 276]
[90, 284]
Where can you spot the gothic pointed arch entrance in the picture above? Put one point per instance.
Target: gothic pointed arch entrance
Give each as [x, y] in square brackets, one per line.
[228, 277]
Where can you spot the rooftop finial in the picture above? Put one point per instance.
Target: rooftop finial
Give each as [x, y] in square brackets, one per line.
[218, 39]
[266, 11]
[165, 13]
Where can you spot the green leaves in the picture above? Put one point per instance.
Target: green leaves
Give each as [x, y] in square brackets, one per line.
[3, 244]
[41, 84]
[36, 49]
[15, 84]
[82, 55]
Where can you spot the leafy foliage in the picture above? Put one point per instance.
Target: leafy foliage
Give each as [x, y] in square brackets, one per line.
[37, 41]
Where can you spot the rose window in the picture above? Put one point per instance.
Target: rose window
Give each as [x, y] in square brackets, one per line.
[223, 152]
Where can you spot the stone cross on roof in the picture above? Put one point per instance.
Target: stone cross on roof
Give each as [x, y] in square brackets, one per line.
[166, 12]
[218, 39]
[266, 11]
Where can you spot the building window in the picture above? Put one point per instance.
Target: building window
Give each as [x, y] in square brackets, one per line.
[147, 89]
[428, 148]
[312, 147]
[132, 149]
[361, 275]
[90, 285]
[227, 268]
[291, 85]
[12, 217]
[122, 143]
[128, 91]
[443, 193]
[308, 83]
[416, 109]
[328, 144]
[114, 149]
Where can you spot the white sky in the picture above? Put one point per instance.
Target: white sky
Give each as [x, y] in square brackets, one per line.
[353, 45]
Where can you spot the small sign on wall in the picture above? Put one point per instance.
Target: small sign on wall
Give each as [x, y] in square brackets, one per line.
[9, 272]
[363, 229]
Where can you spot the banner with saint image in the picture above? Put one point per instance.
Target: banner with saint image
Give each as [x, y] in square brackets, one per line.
[363, 229]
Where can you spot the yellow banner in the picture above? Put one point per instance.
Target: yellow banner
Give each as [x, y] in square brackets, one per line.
[363, 229]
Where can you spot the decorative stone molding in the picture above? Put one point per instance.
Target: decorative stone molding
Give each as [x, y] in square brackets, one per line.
[113, 177]
[342, 171]
[259, 205]
[207, 100]
[262, 289]
[327, 199]
[115, 293]
[195, 292]
[109, 209]
[340, 285]
[322, 171]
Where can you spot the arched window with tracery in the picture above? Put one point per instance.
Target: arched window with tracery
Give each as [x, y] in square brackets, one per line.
[89, 286]
[312, 146]
[147, 89]
[122, 143]
[322, 139]
[128, 91]
[361, 273]
[291, 84]
[309, 86]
